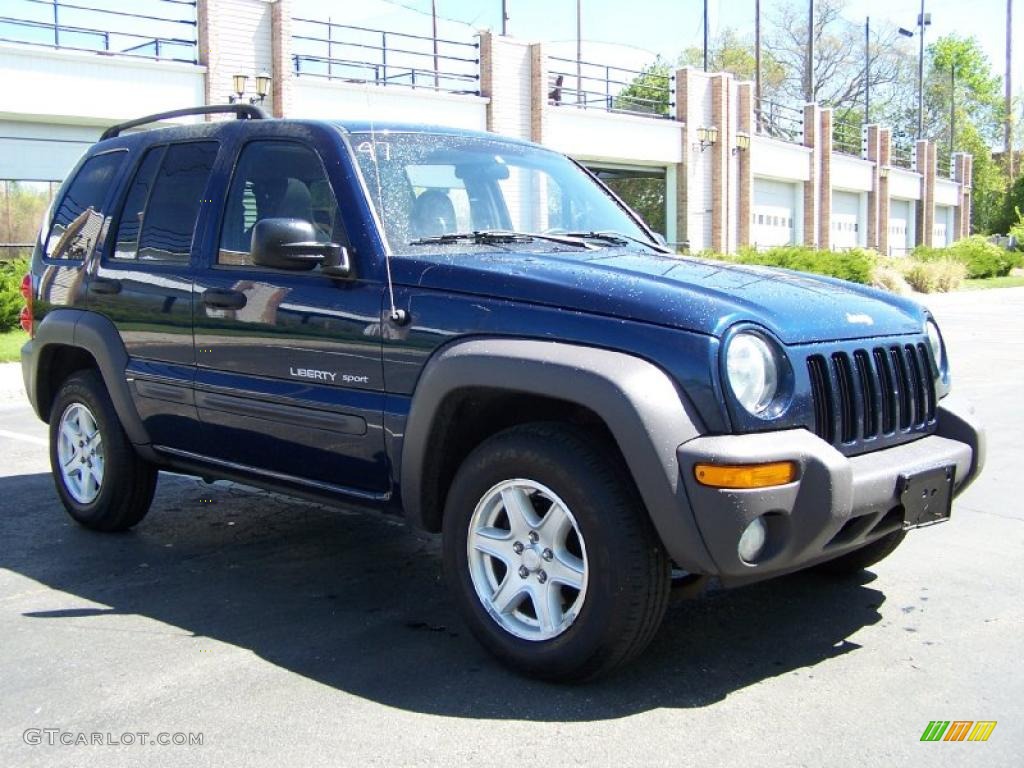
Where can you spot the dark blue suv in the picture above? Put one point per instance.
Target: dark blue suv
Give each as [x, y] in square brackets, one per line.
[474, 333]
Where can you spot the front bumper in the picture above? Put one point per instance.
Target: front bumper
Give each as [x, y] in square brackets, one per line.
[836, 505]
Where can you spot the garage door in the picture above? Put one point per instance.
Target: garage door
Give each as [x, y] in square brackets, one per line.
[774, 213]
[845, 219]
[901, 214]
[942, 234]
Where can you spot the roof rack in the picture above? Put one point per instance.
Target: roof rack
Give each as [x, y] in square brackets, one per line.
[243, 111]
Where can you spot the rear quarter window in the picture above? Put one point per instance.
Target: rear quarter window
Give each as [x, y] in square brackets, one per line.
[80, 210]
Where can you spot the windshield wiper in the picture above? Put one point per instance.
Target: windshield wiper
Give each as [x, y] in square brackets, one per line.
[499, 237]
[617, 238]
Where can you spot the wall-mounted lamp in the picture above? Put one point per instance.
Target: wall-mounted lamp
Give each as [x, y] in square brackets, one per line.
[883, 172]
[742, 143]
[263, 80]
[706, 137]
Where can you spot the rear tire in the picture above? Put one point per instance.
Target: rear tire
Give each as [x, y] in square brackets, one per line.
[854, 562]
[544, 499]
[102, 482]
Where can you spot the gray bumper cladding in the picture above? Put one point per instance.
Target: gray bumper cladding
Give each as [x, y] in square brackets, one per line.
[835, 505]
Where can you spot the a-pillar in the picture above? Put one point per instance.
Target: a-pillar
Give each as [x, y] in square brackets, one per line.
[744, 198]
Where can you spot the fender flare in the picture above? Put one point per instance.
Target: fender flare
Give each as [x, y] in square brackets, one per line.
[639, 403]
[96, 335]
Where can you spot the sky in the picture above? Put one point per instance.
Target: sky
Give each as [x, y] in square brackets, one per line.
[666, 27]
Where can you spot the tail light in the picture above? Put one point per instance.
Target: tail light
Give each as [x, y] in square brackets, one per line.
[26, 312]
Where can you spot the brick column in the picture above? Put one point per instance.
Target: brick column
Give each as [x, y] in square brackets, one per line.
[720, 162]
[923, 221]
[874, 146]
[744, 124]
[812, 130]
[238, 40]
[282, 68]
[884, 205]
[930, 183]
[539, 90]
[825, 181]
[682, 185]
[507, 81]
[962, 174]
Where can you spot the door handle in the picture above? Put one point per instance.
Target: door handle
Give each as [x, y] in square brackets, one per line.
[220, 298]
[105, 285]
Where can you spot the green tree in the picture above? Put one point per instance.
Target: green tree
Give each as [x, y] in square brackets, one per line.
[961, 91]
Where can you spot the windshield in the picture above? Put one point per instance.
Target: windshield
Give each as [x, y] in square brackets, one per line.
[435, 185]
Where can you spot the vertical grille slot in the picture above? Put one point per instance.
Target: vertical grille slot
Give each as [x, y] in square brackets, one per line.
[888, 400]
[928, 379]
[903, 393]
[917, 383]
[844, 386]
[821, 392]
[870, 390]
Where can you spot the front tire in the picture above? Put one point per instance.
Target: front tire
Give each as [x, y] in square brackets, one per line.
[550, 554]
[102, 482]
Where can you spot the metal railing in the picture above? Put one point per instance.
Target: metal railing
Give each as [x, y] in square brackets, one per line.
[12, 251]
[902, 153]
[81, 27]
[943, 165]
[847, 139]
[365, 55]
[779, 121]
[589, 85]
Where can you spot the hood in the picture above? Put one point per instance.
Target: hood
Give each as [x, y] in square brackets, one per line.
[691, 294]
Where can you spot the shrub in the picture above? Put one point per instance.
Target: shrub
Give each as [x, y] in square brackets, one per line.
[854, 265]
[935, 276]
[982, 258]
[890, 278]
[11, 301]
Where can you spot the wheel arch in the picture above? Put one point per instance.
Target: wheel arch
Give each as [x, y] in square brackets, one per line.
[68, 340]
[634, 401]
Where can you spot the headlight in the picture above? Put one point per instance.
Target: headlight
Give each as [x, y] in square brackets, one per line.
[935, 339]
[752, 371]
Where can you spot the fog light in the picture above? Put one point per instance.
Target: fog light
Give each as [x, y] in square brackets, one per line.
[752, 541]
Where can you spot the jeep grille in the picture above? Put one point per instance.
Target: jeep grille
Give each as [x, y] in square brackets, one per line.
[872, 393]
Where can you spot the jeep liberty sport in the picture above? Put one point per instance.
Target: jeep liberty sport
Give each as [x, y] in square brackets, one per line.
[473, 332]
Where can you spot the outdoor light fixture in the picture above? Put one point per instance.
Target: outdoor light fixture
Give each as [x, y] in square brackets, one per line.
[707, 137]
[742, 143]
[263, 81]
[883, 172]
[239, 86]
[262, 86]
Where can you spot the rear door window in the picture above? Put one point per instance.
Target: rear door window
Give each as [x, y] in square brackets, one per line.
[79, 216]
[175, 200]
[127, 241]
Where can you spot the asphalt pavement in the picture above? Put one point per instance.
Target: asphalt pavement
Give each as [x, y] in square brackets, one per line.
[283, 633]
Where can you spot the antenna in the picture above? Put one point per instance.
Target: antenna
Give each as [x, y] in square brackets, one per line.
[398, 316]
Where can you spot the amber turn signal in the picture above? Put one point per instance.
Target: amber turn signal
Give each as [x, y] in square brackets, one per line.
[745, 475]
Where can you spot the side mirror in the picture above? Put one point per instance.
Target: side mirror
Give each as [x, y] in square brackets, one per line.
[292, 244]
